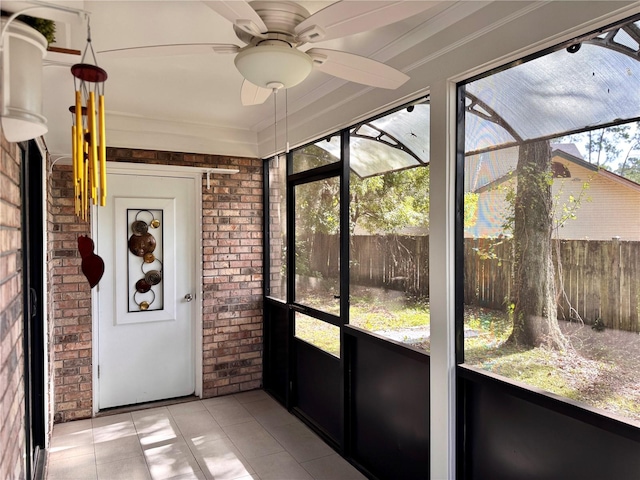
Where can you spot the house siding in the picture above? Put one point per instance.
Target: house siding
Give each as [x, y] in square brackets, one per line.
[232, 281]
[606, 208]
[12, 427]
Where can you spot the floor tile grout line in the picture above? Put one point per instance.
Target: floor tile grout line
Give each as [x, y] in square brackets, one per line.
[181, 437]
[95, 456]
[238, 448]
[146, 461]
[283, 447]
[195, 457]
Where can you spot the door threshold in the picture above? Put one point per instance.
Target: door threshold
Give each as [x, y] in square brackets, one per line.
[145, 406]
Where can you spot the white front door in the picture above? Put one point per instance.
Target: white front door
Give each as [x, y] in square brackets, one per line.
[146, 297]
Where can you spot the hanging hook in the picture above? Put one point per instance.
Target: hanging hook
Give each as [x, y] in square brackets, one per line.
[35, 5]
[56, 161]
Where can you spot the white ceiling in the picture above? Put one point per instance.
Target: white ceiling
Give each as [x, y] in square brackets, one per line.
[192, 103]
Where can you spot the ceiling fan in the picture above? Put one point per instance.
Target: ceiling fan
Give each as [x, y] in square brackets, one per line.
[274, 31]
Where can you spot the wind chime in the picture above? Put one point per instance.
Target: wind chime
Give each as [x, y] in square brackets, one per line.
[88, 137]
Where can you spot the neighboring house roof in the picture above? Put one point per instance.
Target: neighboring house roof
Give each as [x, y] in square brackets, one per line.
[569, 148]
[567, 151]
[607, 204]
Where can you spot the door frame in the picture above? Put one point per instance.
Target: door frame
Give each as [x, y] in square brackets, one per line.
[341, 171]
[35, 325]
[195, 174]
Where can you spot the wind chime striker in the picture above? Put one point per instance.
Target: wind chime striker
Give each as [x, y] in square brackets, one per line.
[88, 136]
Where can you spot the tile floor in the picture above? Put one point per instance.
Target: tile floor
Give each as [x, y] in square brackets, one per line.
[244, 436]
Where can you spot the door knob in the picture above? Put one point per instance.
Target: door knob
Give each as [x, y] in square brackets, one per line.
[188, 297]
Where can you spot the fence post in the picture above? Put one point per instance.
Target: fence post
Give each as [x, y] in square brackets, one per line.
[614, 286]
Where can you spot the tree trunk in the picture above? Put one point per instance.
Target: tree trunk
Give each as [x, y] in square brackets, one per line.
[535, 321]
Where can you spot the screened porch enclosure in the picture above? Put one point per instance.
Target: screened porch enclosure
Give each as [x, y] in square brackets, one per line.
[347, 294]
[547, 269]
[344, 218]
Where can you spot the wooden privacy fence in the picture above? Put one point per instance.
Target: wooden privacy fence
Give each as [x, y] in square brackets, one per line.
[594, 279]
[601, 279]
[396, 262]
[487, 272]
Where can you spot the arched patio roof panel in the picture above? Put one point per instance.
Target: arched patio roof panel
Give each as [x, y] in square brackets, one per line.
[393, 142]
[558, 93]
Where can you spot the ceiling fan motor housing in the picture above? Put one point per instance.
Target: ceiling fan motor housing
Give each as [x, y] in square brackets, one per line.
[279, 17]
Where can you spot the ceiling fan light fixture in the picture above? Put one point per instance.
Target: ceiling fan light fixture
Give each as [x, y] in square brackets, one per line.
[268, 64]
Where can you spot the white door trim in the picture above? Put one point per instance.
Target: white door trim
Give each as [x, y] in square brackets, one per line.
[194, 173]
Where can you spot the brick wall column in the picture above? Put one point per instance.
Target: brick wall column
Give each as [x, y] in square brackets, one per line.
[232, 236]
[70, 304]
[12, 437]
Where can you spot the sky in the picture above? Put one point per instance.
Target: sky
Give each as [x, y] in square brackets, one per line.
[632, 147]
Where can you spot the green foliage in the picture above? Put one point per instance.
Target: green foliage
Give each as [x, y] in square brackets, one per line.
[389, 202]
[317, 207]
[470, 208]
[302, 257]
[382, 204]
[630, 169]
[46, 27]
[312, 156]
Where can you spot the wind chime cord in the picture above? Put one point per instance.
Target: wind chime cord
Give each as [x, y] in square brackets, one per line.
[286, 121]
[275, 124]
[100, 85]
[89, 44]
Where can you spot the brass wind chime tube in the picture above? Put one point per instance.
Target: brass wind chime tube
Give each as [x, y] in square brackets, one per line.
[93, 146]
[103, 153]
[85, 177]
[89, 138]
[74, 162]
[79, 149]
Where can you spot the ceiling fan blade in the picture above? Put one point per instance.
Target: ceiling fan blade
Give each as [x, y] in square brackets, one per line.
[356, 68]
[251, 94]
[240, 14]
[348, 17]
[169, 50]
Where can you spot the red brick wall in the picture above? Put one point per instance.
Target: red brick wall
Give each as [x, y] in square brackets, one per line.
[232, 317]
[232, 271]
[70, 304]
[12, 440]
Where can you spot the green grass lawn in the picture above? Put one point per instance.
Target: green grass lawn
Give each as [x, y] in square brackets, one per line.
[598, 369]
[366, 313]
